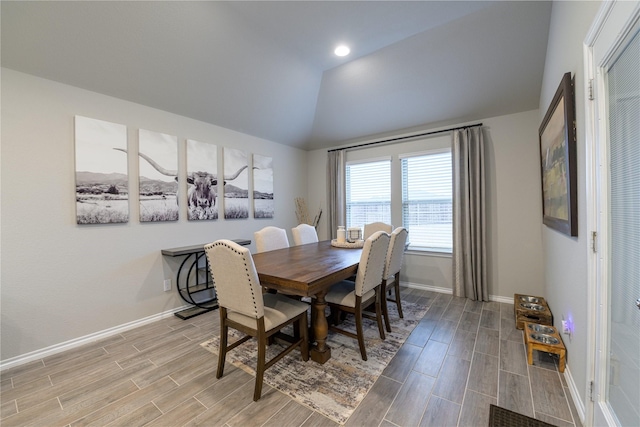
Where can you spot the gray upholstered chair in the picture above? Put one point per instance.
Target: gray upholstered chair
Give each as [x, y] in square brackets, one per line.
[245, 308]
[391, 275]
[303, 234]
[354, 297]
[371, 228]
[270, 238]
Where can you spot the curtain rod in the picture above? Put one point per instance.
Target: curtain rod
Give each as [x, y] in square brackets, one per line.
[400, 138]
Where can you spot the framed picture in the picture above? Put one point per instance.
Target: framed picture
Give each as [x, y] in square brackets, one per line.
[558, 160]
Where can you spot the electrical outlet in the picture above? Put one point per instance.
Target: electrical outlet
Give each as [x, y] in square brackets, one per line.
[167, 285]
[566, 328]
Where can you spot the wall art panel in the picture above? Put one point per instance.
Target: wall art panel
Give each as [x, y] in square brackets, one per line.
[158, 166]
[202, 180]
[102, 181]
[263, 203]
[236, 184]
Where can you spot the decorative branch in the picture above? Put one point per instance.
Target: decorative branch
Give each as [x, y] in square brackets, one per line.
[316, 220]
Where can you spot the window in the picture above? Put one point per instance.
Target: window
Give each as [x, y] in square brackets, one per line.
[368, 192]
[427, 208]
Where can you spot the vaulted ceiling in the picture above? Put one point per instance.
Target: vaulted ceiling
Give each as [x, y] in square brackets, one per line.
[266, 68]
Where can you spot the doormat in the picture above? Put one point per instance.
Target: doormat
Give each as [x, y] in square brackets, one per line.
[501, 417]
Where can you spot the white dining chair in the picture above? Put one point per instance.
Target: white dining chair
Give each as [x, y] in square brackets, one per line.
[244, 307]
[391, 275]
[271, 238]
[371, 228]
[303, 234]
[354, 297]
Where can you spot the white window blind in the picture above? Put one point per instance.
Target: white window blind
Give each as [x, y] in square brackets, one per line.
[427, 209]
[368, 192]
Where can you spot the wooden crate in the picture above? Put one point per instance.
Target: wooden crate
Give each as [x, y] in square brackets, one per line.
[532, 344]
[524, 307]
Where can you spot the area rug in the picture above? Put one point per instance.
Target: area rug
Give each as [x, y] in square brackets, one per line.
[336, 388]
[501, 417]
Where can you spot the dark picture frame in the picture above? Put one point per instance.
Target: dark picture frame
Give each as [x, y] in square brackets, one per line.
[558, 161]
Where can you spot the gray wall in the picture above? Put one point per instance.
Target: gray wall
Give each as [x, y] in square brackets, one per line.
[565, 258]
[514, 209]
[61, 281]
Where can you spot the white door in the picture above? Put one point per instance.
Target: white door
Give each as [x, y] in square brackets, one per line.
[613, 62]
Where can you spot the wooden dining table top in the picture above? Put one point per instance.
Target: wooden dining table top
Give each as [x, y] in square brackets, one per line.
[306, 269]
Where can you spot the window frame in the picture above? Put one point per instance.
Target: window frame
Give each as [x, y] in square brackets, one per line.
[426, 250]
[378, 159]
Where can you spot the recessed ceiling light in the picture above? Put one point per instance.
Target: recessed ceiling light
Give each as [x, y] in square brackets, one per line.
[342, 50]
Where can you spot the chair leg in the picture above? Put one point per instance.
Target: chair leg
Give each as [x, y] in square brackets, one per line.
[304, 346]
[311, 337]
[335, 315]
[379, 312]
[260, 366]
[396, 286]
[222, 353]
[360, 332]
[385, 308]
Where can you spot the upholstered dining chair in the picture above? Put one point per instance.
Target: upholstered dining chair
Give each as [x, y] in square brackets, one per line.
[371, 228]
[271, 238]
[245, 308]
[354, 297]
[391, 275]
[303, 234]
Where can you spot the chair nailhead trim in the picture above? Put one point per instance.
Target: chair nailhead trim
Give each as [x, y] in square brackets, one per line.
[246, 269]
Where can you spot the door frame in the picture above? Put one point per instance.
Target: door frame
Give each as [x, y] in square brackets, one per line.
[610, 29]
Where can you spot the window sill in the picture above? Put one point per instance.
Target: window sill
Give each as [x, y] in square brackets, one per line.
[428, 252]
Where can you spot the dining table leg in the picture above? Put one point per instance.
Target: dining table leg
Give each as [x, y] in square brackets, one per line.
[320, 352]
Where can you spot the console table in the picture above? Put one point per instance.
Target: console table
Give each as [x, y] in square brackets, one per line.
[193, 279]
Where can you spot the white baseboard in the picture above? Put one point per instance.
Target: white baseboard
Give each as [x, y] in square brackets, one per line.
[77, 342]
[575, 395]
[496, 298]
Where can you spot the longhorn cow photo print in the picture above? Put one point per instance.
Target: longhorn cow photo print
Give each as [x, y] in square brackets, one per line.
[158, 166]
[236, 184]
[102, 182]
[202, 180]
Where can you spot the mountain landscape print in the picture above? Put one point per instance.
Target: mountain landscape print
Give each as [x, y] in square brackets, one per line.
[263, 203]
[236, 188]
[158, 181]
[102, 182]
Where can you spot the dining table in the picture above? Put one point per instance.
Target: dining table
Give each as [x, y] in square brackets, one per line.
[309, 271]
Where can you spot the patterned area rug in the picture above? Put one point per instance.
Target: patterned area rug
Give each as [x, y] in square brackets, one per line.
[336, 388]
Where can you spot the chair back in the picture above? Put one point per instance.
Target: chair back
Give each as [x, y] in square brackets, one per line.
[372, 262]
[303, 234]
[271, 238]
[395, 252]
[371, 228]
[235, 278]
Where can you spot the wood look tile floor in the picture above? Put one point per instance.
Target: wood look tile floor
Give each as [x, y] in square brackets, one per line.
[461, 357]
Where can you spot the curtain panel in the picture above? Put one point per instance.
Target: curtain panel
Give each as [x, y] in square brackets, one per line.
[336, 200]
[469, 215]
